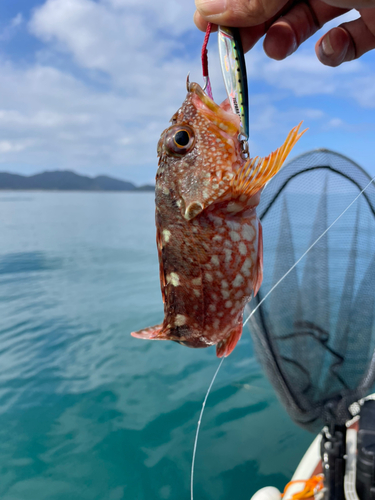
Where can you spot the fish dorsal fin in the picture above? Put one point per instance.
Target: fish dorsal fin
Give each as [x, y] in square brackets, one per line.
[256, 172]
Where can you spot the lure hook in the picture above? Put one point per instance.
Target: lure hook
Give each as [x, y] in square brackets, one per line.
[188, 82]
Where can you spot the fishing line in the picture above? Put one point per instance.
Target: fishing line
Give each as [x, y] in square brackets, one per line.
[247, 319]
[307, 251]
[199, 425]
[206, 78]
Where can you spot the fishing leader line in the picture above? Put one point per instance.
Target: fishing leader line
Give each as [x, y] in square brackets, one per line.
[247, 319]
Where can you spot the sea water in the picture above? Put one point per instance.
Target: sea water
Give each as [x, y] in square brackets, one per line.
[87, 411]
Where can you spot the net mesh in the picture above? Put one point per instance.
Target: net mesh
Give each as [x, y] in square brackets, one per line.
[315, 334]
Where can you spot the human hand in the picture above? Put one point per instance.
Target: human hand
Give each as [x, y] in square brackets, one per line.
[288, 24]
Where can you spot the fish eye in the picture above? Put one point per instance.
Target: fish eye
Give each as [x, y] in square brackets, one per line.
[179, 140]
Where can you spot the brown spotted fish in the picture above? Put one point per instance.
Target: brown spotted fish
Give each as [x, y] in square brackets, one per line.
[209, 237]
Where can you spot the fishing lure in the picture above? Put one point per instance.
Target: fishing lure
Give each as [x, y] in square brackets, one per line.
[233, 68]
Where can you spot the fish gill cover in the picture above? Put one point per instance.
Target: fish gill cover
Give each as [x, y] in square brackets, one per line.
[315, 336]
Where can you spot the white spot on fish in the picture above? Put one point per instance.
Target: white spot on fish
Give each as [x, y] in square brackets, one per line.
[217, 237]
[242, 248]
[228, 176]
[165, 190]
[234, 207]
[233, 225]
[197, 293]
[234, 236]
[228, 304]
[173, 279]
[197, 281]
[180, 320]
[248, 232]
[224, 284]
[220, 314]
[245, 269]
[166, 235]
[238, 280]
[208, 277]
[225, 294]
[216, 324]
[239, 294]
[215, 260]
[212, 307]
[228, 254]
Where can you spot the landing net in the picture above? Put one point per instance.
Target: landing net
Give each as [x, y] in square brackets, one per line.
[315, 334]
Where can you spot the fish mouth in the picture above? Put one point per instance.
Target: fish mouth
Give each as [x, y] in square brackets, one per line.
[221, 115]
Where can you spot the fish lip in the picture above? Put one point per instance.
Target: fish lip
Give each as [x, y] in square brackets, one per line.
[208, 107]
[195, 88]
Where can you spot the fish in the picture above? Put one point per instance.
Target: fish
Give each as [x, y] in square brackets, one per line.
[208, 235]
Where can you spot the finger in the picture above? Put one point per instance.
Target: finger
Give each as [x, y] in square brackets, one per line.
[201, 23]
[249, 36]
[345, 43]
[352, 4]
[302, 21]
[239, 13]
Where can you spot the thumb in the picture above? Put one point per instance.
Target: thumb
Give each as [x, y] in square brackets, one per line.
[239, 13]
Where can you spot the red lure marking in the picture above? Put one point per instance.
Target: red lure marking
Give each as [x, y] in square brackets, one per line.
[205, 60]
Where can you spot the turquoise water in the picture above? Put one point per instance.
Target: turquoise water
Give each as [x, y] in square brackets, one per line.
[88, 412]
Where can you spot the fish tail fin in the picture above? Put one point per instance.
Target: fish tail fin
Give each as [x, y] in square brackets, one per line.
[226, 346]
[256, 172]
[259, 277]
[155, 332]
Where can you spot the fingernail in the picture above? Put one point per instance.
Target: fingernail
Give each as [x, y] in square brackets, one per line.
[326, 46]
[211, 7]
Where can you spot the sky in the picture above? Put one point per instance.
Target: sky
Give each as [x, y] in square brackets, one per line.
[89, 85]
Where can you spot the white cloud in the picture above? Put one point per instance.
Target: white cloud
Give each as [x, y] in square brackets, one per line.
[362, 89]
[14, 146]
[11, 28]
[112, 72]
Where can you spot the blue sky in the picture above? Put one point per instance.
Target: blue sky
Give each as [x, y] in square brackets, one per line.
[89, 86]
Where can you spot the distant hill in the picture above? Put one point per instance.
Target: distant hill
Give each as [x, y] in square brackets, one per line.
[64, 180]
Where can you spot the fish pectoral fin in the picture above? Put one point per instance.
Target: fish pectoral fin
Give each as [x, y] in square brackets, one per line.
[256, 172]
[226, 346]
[151, 333]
